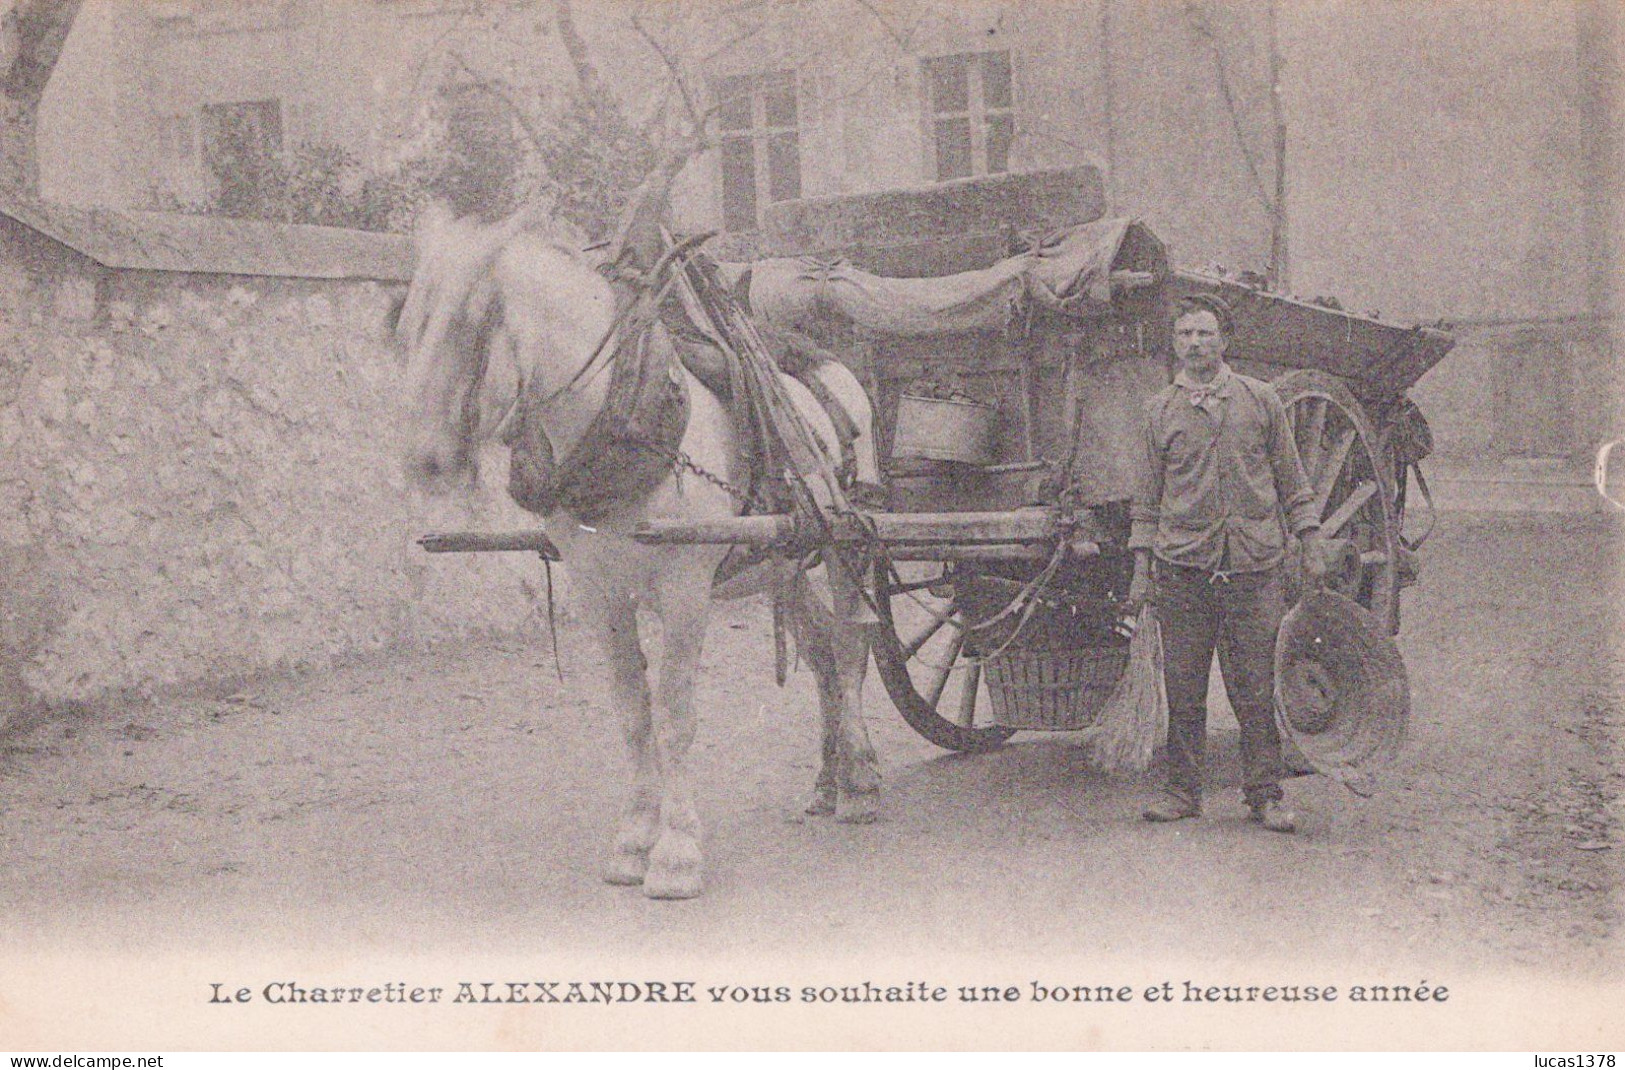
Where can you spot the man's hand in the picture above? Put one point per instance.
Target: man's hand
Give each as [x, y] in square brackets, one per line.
[1312, 552]
[1139, 596]
[1139, 588]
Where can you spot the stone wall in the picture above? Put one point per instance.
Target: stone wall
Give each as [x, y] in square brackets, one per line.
[199, 481]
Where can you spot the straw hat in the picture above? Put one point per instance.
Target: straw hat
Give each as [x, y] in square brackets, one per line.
[1341, 693]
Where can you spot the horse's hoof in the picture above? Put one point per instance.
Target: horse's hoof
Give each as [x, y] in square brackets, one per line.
[672, 884]
[628, 862]
[674, 872]
[685, 889]
[821, 804]
[626, 867]
[858, 809]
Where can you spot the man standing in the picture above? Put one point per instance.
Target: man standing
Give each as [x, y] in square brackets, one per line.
[1220, 487]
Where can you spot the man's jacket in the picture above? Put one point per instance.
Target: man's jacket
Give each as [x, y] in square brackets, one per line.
[1221, 482]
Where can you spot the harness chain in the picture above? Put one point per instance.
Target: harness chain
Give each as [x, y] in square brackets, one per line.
[680, 462]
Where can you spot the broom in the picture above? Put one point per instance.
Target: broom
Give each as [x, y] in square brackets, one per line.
[1135, 718]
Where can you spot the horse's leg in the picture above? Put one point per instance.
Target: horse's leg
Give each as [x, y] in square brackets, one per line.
[617, 625]
[859, 771]
[675, 862]
[811, 627]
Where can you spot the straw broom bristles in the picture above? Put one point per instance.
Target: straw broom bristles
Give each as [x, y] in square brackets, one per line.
[1135, 718]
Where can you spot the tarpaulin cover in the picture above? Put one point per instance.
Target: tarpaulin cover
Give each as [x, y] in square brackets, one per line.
[1068, 272]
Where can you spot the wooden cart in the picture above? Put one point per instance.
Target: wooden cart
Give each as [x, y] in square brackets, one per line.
[1009, 402]
[1010, 626]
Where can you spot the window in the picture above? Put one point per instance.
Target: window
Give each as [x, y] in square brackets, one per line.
[971, 100]
[761, 150]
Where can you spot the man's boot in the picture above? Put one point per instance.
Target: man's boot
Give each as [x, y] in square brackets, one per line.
[1274, 816]
[1172, 806]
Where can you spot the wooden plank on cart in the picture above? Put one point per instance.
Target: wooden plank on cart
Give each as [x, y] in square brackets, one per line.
[931, 230]
[1275, 334]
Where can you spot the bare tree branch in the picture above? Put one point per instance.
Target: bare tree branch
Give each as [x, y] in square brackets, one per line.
[885, 24]
[420, 69]
[586, 70]
[651, 126]
[696, 119]
[728, 46]
[1203, 29]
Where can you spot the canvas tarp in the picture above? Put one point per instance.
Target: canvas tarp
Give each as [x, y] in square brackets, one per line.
[1068, 272]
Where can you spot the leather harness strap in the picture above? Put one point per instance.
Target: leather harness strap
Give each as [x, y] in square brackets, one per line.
[627, 449]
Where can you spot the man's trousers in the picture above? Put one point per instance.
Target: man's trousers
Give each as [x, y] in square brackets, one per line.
[1240, 614]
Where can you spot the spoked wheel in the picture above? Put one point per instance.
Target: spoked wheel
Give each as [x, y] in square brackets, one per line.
[920, 650]
[1353, 486]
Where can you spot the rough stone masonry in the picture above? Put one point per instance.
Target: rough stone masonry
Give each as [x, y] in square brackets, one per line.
[199, 481]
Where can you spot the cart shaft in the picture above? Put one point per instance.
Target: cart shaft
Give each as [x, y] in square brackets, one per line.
[1022, 526]
[465, 542]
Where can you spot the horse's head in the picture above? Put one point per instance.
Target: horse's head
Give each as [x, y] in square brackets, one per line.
[446, 325]
[491, 306]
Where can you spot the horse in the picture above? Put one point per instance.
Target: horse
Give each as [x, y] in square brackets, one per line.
[498, 311]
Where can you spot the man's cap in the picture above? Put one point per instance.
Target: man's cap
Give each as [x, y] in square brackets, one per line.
[1207, 303]
[1342, 696]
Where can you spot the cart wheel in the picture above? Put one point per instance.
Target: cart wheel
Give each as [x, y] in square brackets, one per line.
[1353, 485]
[920, 652]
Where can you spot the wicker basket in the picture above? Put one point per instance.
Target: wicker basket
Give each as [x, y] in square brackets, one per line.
[1057, 689]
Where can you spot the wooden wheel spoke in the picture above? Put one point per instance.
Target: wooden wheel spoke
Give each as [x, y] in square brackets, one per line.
[1351, 505]
[967, 697]
[1349, 477]
[905, 587]
[917, 674]
[1330, 467]
[923, 637]
[1311, 430]
[941, 673]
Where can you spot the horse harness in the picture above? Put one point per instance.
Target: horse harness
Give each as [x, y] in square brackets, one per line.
[634, 441]
[624, 453]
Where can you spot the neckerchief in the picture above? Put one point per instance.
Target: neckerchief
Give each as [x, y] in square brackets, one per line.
[1205, 396]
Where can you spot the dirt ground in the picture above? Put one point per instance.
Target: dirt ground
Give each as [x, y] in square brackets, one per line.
[454, 804]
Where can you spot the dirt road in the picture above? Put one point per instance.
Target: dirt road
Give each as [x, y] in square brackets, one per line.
[454, 803]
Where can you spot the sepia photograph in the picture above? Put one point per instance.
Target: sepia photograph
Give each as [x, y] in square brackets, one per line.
[860, 525]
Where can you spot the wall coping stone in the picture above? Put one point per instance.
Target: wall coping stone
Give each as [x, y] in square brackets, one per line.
[173, 241]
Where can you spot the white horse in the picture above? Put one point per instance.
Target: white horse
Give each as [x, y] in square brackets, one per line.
[551, 310]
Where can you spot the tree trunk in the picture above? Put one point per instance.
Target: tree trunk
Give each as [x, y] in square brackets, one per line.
[1280, 266]
[31, 38]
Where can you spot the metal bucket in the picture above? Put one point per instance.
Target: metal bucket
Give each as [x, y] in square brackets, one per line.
[937, 430]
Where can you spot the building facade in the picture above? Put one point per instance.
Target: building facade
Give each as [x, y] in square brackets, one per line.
[1452, 162]
[810, 98]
